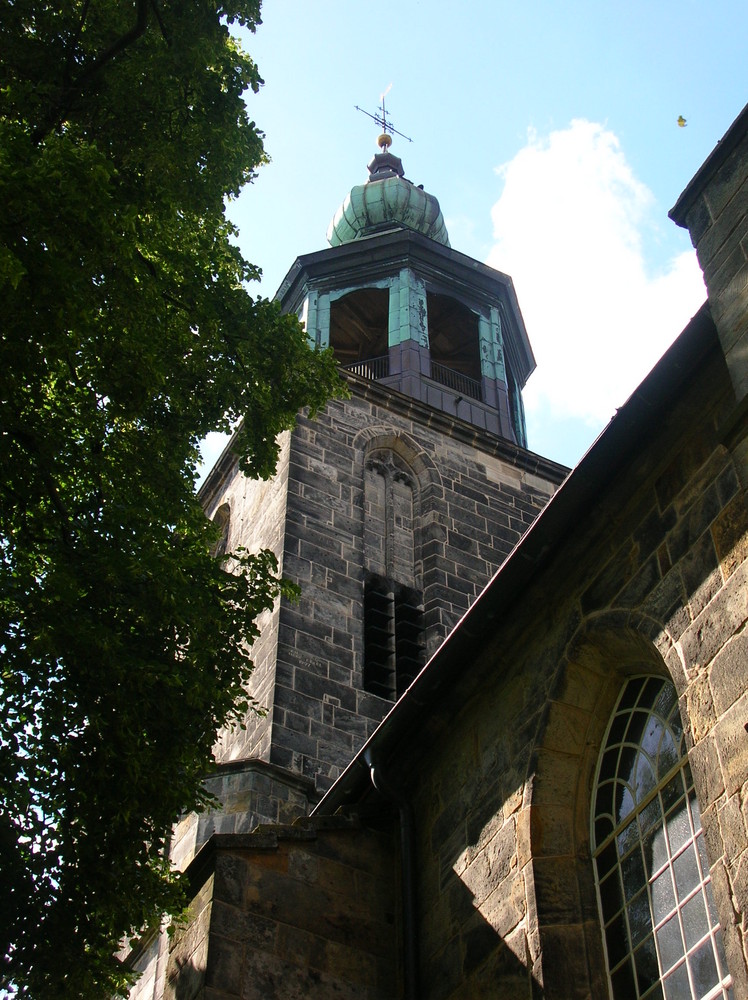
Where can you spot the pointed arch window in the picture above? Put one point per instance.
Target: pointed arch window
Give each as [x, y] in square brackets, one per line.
[222, 518]
[393, 626]
[660, 928]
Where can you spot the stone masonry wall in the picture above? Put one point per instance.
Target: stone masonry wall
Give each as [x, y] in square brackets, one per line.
[250, 790]
[257, 519]
[718, 222]
[290, 912]
[472, 503]
[187, 951]
[655, 582]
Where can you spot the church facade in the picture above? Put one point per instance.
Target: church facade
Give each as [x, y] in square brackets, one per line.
[513, 744]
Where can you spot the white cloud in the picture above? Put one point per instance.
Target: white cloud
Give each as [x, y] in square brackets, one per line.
[571, 227]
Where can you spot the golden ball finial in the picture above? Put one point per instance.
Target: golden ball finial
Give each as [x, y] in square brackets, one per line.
[384, 141]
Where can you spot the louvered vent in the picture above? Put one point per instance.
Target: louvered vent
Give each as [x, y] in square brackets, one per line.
[393, 637]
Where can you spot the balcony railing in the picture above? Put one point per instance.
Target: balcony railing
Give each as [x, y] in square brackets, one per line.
[373, 368]
[456, 381]
[376, 368]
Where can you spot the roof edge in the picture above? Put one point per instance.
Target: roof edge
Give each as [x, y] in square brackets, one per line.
[729, 141]
[398, 247]
[523, 458]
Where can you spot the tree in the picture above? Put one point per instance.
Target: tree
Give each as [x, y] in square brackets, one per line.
[127, 334]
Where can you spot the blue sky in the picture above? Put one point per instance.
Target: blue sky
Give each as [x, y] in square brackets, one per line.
[549, 134]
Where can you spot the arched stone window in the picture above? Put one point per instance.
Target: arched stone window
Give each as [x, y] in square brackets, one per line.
[222, 518]
[660, 928]
[390, 500]
[393, 600]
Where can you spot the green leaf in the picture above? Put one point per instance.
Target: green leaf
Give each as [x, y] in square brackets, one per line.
[128, 334]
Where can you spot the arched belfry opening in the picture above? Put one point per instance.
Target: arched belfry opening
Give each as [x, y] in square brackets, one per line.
[454, 343]
[359, 325]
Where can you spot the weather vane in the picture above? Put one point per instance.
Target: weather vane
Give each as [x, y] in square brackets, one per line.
[381, 119]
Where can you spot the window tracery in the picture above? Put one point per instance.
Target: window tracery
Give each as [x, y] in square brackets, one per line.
[660, 927]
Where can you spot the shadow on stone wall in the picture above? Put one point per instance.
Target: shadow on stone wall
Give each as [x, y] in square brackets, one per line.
[477, 961]
[187, 983]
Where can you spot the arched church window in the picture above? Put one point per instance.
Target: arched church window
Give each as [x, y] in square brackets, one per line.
[222, 518]
[660, 928]
[359, 324]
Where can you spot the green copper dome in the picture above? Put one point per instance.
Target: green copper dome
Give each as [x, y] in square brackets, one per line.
[387, 198]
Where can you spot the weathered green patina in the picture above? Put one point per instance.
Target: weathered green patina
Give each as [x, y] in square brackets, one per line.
[392, 199]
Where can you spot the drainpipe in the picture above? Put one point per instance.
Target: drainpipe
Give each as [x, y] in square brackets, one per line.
[408, 878]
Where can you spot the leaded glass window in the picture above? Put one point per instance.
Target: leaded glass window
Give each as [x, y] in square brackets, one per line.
[660, 928]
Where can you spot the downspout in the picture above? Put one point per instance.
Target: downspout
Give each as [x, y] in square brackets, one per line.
[407, 878]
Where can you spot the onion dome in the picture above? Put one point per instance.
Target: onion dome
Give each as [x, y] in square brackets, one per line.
[387, 199]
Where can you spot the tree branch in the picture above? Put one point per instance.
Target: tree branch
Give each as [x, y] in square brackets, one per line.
[67, 75]
[72, 90]
[29, 442]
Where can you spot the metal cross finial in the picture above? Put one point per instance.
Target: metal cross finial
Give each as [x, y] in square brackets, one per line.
[381, 120]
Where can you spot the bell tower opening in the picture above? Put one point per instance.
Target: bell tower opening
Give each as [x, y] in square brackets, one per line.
[359, 325]
[454, 344]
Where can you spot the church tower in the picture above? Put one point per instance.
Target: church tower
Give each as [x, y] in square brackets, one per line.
[391, 509]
